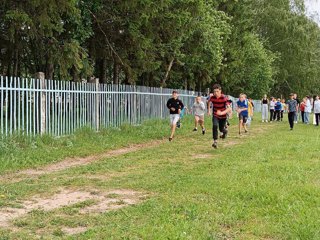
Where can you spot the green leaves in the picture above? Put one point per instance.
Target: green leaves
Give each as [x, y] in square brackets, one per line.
[174, 43]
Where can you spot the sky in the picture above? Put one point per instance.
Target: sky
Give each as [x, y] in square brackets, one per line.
[313, 6]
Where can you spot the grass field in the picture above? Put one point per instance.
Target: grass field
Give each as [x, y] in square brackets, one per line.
[262, 185]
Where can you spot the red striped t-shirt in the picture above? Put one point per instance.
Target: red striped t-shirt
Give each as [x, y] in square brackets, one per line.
[221, 104]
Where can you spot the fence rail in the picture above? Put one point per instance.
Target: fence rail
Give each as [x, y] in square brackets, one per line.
[38, 106]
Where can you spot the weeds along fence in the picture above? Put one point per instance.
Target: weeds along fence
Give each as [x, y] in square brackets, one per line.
[39, 106]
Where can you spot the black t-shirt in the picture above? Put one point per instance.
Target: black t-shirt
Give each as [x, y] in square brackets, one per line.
[176, 104]
[298, 101]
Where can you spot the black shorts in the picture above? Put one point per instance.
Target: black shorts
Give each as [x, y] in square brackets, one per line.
[243, 118]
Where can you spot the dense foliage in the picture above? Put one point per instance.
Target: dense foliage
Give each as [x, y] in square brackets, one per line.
[252, 46]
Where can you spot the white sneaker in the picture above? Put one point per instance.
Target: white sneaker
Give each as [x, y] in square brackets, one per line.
[266, 120]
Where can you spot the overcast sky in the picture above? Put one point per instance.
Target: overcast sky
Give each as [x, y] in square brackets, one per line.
[313, 6]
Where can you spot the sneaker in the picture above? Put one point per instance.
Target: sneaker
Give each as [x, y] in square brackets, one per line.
[224, 135]
[178, 124]
[203, 131]
[266, 120]
[195, 129]
[245, 131]
[291, 129]
[215, 145]
[170, 139]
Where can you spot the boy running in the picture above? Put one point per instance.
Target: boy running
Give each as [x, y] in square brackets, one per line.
[292, 110]
[175, 105]
[242, 109]
[221, 108]
[199, 111]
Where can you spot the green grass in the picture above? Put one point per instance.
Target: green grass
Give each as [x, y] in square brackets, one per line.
[20, 152]
[262, 186]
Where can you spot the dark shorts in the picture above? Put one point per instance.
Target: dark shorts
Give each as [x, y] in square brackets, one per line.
[243, 118]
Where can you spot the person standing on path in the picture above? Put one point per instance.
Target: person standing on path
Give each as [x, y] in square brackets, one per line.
[295, 97]
[292, 109]
[316, 109]
[307, 110]
[264, 108]
[283, 108]
[250, 109]
[302, 108]
[175, 106]
[220, 107]
[199, 111]
[272, 104]
[277, 110]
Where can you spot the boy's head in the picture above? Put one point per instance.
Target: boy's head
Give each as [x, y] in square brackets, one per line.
[217, 90]
[317, 97]
[175, 94]
[278, 100]
[242, 97]
[291, 95]
[198, 99]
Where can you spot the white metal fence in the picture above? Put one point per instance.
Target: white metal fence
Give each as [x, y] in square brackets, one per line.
[36, 106]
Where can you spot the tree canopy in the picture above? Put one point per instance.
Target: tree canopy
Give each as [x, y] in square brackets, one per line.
[251, 46]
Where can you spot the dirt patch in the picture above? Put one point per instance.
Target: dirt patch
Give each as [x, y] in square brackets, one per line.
[103, 202]
[74, 162]
[230, 143]
[202, 156]
[73, 231]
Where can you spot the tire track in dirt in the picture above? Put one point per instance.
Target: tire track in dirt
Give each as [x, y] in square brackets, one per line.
[74, 162]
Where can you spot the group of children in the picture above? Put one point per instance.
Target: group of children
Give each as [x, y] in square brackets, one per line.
[219, 106]
[276, 107]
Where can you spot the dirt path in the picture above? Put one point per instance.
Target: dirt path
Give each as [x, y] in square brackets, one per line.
[75, 162]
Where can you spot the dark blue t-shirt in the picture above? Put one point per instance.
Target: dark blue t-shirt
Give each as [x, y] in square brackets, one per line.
[243, 104]
[278, 106]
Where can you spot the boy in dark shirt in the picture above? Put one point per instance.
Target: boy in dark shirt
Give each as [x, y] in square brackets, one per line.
[277, 109]
[292, 110]
[175, 106]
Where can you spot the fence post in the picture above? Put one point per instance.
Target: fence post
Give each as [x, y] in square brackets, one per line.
[97, 105]
[161, 102]
[41, 77]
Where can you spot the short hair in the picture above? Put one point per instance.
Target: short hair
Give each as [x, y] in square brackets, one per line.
[216, 86]
[174, 91]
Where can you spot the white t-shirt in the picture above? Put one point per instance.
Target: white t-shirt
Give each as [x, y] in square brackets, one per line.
[198, 109]
[307, 108]
[272, 104]
[317, 106]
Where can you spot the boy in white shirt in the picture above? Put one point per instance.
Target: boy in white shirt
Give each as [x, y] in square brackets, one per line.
[316, 110]
[199, 111]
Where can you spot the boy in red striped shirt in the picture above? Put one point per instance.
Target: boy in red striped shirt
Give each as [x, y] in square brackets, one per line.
[220, 107]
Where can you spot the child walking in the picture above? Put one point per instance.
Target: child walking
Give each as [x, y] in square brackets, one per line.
[292, 109]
